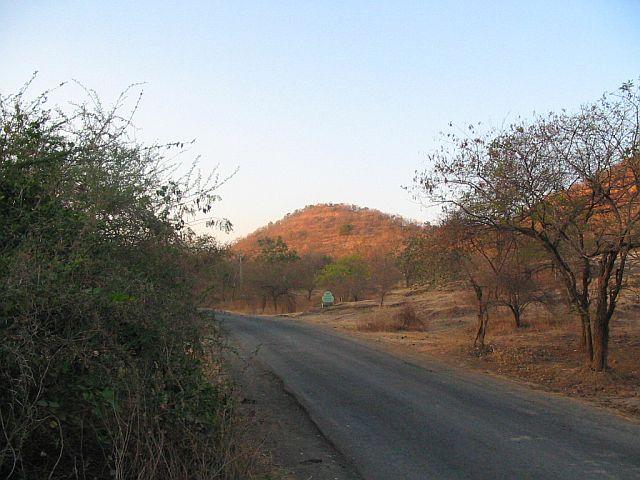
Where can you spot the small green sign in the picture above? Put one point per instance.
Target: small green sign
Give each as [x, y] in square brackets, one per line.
[327, 299]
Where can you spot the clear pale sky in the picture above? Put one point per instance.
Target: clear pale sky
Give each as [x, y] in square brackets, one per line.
[323, 101]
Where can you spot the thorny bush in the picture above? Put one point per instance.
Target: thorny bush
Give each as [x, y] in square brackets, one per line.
[105, 364]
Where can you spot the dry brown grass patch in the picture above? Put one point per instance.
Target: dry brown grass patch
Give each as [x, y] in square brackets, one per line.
[388, 320]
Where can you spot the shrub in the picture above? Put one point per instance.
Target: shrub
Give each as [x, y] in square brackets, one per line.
[104, 359]
[385, 321]
[408, 319]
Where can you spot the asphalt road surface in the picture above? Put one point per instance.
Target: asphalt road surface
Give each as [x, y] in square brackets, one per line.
[394, 420]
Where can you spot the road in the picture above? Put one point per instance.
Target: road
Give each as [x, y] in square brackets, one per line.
[394, 420]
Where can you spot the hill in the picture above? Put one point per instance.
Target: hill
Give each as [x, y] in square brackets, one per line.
[336, 230]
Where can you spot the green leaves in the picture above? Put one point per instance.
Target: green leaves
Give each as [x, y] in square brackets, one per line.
[101, 351]
[348, 276]
[108, 395]
[120, 297]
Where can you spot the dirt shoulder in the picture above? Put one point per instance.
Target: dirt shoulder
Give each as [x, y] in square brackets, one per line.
[297, 449]
[545, 354]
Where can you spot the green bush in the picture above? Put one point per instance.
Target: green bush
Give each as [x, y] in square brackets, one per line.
[105, 363]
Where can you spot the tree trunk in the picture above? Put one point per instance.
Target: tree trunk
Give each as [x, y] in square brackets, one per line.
[483, 320]
[587, 339]
[517, 315]
[602, 314]
[577, 296]
[291, 303]
[585, 316]
[600, 343]
[483, 317]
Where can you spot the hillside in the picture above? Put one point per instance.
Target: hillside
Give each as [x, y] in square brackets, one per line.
[336, 230]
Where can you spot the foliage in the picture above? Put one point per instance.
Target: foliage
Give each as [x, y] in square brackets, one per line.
[213, 265]
[275, 251]
[104, 359]
[410, 260]
[428, 258]
[273, 272]
[276, 273]
[404, 319]
[408, 318]
[348, 277]
[307, 269]
[498, 266]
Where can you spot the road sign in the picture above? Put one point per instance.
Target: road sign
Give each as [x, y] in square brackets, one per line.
[327, 299]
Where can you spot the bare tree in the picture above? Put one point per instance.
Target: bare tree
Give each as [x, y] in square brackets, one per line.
[385, 273]
[480, 254]
[570, 183]
[516, 282]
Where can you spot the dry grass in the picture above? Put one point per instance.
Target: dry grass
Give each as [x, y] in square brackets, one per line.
[391, 320]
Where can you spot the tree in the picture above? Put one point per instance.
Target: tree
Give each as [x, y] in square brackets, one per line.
[477, 255]
[275, 251]
[214, 267]
[426, 260]
[347, 277]
[411, 259]
[570, 183]
[516, 284]
[306, 271]
[273, 272]
[385, 273]
[346, 229]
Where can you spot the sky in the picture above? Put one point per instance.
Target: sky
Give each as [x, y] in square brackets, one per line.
[322, 101]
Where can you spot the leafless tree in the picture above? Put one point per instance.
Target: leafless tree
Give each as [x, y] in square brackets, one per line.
[385, 273]
[570, 183]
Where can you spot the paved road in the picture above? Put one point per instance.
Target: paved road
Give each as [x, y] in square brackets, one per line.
[397, 421]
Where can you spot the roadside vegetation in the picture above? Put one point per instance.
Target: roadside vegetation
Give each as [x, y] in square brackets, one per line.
[279, 280]
[107, 369]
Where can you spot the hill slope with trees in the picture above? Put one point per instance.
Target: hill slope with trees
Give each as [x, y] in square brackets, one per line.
[336, 230]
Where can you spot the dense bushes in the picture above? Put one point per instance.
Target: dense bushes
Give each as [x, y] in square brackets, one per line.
[105, 363]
